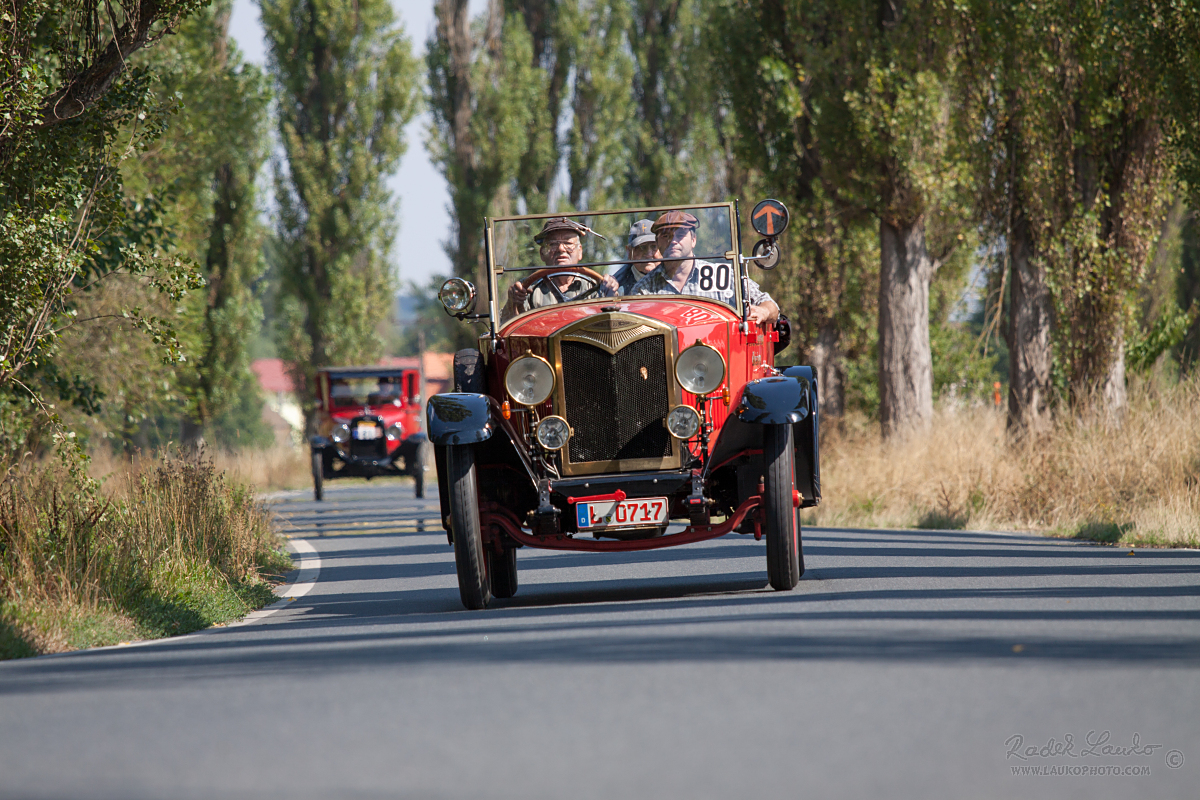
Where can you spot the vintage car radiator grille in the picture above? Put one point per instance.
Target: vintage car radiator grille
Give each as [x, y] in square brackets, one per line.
[616, 403]
[372, 449]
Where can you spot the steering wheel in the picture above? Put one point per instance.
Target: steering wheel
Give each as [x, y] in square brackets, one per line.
[588, 274]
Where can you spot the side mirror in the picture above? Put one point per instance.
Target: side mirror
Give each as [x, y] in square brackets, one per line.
[457, 297]
[766, 254]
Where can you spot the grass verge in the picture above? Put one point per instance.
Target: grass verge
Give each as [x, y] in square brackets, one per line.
[164, 548]
[1133, 481]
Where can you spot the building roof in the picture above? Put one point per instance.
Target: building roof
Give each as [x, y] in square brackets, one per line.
[272, 375]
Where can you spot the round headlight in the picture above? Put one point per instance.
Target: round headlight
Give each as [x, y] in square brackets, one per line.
[700, 369]
[341, 433]
[529, 380]
[683, 422]
[395, 432]
[553, 432]
[457, 295]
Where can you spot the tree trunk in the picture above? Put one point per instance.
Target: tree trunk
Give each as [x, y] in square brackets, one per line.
[1112, 391]
[1028, 335]
[825, 356]
[905, 360]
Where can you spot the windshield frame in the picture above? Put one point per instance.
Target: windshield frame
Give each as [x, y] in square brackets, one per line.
[493, 272]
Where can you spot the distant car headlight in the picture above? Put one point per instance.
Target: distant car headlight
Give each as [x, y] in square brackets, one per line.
[553, 432]
[529, 380]
[683, 422]
[457, 295]
[700, 369]
[395, 432]
[341, 433]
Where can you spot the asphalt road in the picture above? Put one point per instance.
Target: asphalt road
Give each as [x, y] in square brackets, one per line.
[902, 666]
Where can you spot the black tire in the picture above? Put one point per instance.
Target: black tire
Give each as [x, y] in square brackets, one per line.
[468, 372]
[470, 560]
[503, 571]
[318, 473]
[785, 562]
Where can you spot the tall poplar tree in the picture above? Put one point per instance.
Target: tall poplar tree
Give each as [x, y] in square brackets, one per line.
[208, 162]
[1089, 120]
[848, 107]
[346, 82]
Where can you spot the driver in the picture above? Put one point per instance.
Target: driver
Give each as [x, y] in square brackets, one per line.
[682, 273]
[560, 245]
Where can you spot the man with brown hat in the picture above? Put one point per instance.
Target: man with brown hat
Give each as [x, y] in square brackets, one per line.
[682, 273]
[560, 245]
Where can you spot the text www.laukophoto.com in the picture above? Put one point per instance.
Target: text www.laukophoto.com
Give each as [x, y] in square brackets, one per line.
[1048, 770]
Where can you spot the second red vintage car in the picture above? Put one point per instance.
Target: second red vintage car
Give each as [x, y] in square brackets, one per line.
[591, 418]
[369, 424]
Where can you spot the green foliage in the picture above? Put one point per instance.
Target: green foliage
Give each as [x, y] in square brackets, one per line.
[1167, 332]
[346, 85]
[1089, 116]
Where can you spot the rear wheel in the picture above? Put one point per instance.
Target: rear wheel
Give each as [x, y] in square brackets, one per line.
[785, 564]
[470, 559]
[502, 569]
[318, 473]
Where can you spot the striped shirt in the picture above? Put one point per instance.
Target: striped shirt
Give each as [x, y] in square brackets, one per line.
[707, 279]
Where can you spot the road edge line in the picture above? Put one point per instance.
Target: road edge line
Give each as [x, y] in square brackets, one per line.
[310, 571]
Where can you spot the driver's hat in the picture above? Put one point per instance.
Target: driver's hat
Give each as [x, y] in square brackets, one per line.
[559, 224]
[675, 219]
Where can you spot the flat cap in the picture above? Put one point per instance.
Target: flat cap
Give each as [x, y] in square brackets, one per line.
[675, 219]
[559, 224]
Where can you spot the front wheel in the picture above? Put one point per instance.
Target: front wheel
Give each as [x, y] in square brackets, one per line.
[785, 563]
[470, 560]
[318, 473]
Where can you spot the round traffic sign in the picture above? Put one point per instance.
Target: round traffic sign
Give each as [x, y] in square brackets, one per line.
[769, 217]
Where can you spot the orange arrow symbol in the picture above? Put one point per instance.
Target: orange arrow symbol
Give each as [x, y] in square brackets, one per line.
[770, 212]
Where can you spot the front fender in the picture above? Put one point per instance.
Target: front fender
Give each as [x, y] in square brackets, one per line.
[774, 401]
[459, 418]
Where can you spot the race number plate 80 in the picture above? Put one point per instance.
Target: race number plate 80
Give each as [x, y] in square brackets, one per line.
[633, 513]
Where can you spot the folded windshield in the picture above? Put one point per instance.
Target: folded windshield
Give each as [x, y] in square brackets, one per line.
[542, 260]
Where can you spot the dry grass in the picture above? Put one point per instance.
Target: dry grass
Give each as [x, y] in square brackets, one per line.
[166, 546]
[1133, 482]
[278, 467]
[273, 468]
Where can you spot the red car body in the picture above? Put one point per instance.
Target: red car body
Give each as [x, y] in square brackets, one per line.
[623, 474]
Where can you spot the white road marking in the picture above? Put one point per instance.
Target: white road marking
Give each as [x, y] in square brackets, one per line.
[310, 570]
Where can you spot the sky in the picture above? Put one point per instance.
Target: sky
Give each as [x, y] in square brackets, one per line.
[423, 219]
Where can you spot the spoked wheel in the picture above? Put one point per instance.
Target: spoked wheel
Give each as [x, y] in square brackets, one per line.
[469, 557]
[318, 473]
[502, 568]
[785, 563]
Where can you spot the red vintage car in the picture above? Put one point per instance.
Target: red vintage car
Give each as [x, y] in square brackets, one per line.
[369, 425]
[592, 418]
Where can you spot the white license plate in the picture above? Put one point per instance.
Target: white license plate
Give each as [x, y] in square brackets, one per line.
[367, 430]
[633, 513]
